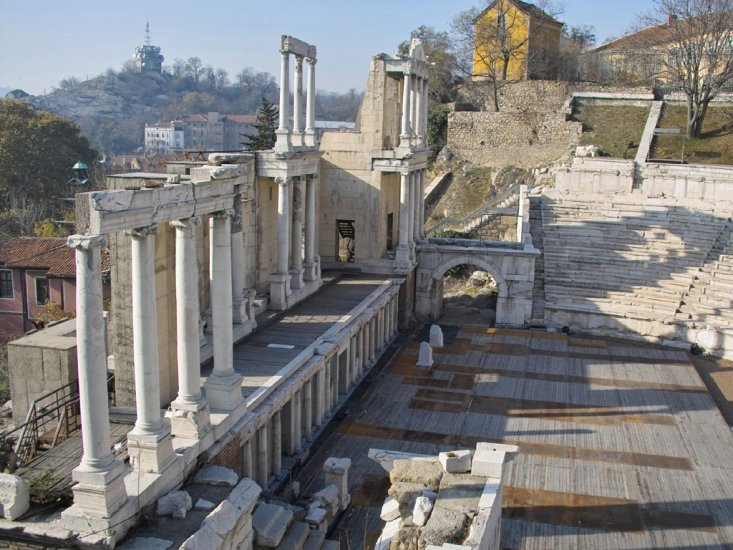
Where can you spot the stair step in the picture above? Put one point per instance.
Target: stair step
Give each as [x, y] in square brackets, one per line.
[331, 545]
[270, 522]
[295, 536]
[315, 540]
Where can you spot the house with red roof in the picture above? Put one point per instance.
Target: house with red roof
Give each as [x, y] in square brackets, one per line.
[34, 271]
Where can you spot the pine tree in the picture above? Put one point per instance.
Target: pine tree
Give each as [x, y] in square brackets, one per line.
[267, 121]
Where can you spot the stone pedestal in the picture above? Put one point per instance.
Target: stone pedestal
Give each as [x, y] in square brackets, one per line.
[436, 336]
[297, 279]
[336, 473]
[99, 493]
[224, 392]
[190, 420]
[279, 291]
[151, 452]
[425, 356]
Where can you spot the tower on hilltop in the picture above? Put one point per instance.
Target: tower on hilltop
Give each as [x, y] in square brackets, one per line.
[147, 56]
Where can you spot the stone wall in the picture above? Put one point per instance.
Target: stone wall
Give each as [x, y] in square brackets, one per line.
[522, 139]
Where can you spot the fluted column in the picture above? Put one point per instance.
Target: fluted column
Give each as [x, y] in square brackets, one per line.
[283, 127]
[280, 281]
[413, 108]
[298, 102]
[239, 300]
[224, 385]
[406, 93]
[190, 416]
[310, 264]
[310, 104]
[296, 249]
[149, 443]
[99, 487]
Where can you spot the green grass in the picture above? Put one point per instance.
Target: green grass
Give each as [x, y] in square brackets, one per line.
[615, 130]
[714, 146]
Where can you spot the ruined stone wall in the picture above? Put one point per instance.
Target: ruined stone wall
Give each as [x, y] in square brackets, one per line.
[522, 139]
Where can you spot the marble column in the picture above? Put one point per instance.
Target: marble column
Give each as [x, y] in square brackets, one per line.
[424, 113]
[320, 394]
[308, 407]
[406, 94]
[310, 104]
[298, 102]
[263, 457]
[419, 99]
[413, 108]
[280, 281]
[149, 443]
[296, 238]
[402, 255]
[416, 206]
[310, 265]
[190, 412]
[335, 375]
[296, 422]
[247, 462]
[421, 206]
[411, 208]
[99, 488]
[367, 338]
[239, 300]
[328, 392]
[283, 129]
[277, 442]
[224, 385]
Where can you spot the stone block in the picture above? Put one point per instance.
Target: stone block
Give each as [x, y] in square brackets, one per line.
[315, 540]
[390, 532]
[488, 464]
[244, 496]
[425, 355]
[145, 543]
[223, 519]
[295, 537]
[14, 497]
[203, 539]
[436, 336]
[173, 502]
[421, 511]
[217, 475]
[317, 518]
[491, 494]
[456, 462]
[203, 504]
[328, 495]
[417, 471]
[390, 509]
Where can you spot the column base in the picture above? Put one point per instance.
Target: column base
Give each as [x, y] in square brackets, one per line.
[151, 452]
[296, 279]
[239, 312]
[283, 141]
[189, 420]
[405, 142]
[309, 139]
[224, 392]
[402, 258]
[297, 139]
[312, 269]
[99, 493]
[250, 295]
[279, 291]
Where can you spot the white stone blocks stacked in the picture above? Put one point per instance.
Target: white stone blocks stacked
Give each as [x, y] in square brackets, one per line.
[390, 509]
[488, 461]
[14, 497]
[456, 462]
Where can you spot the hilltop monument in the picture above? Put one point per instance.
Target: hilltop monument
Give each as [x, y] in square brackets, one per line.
[148, 57]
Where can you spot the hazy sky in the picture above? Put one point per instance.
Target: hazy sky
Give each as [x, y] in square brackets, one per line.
[44, 41]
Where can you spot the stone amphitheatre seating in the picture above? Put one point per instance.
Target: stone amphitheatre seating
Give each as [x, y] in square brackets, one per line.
[628, 263]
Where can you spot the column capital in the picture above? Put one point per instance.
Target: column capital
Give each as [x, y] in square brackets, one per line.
[282, 180]
[311, 177]
[298, 63]
[85, 242]
[311, 61]
[186, 223]
[284, 53]
[140, 232]
[223, 214]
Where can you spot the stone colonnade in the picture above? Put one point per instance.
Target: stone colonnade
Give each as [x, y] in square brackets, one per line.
[414, 124]
[100, 491]
[296, 136]
[412, 214]
[296, 264]
[326, 379]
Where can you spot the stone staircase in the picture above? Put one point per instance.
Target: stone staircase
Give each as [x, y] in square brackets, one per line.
[709, 300]
[480, 217]
[613, 259]
[538, 235]
[276, 527]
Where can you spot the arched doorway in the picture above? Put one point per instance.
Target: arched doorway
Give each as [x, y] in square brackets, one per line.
[469, 296]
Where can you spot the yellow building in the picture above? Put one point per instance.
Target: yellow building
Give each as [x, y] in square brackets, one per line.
[515, 40]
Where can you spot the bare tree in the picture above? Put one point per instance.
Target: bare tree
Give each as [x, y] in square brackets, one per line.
[695, 39]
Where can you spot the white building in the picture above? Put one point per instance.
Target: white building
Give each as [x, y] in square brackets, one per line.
[164, 138]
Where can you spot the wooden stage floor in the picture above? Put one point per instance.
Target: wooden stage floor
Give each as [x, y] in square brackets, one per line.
[621, 444]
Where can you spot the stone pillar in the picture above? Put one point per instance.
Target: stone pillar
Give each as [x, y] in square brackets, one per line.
[280, 281]
[420, 99]
[416, 206]
[336, 472]
[248, 466]
[298, 102]
[327, 392]
[263, 458]
[99, 488]
[310, 104]
[224, 385]
[296, 239]
[310, 264]
[308, 407]
[414, 82]
[149, 443]
[402, 255]
[320, 394]
[367, 339]
[277, 443]
[421, 206]
[335, 379]
[424, 113]
[190, 416]
[239, 301]
[411, 208]
[406, 93]
[284, 111]
[296, 417]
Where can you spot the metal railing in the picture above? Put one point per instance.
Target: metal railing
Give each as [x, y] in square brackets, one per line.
[487, 209]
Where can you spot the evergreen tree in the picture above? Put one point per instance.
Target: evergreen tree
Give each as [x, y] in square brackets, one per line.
[267, 121]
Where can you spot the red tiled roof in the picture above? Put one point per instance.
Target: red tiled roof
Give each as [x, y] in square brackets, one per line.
[50, 253]
[645, 38]
[526, 7]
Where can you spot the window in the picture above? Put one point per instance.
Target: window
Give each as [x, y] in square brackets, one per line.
[6, 283]
[390, 231]
[41, 290]
[345, 237]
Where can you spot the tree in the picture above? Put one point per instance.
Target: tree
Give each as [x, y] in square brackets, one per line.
[584, 36]
[37, 151]
[439, 51]
[267, 121]
[694, 39]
